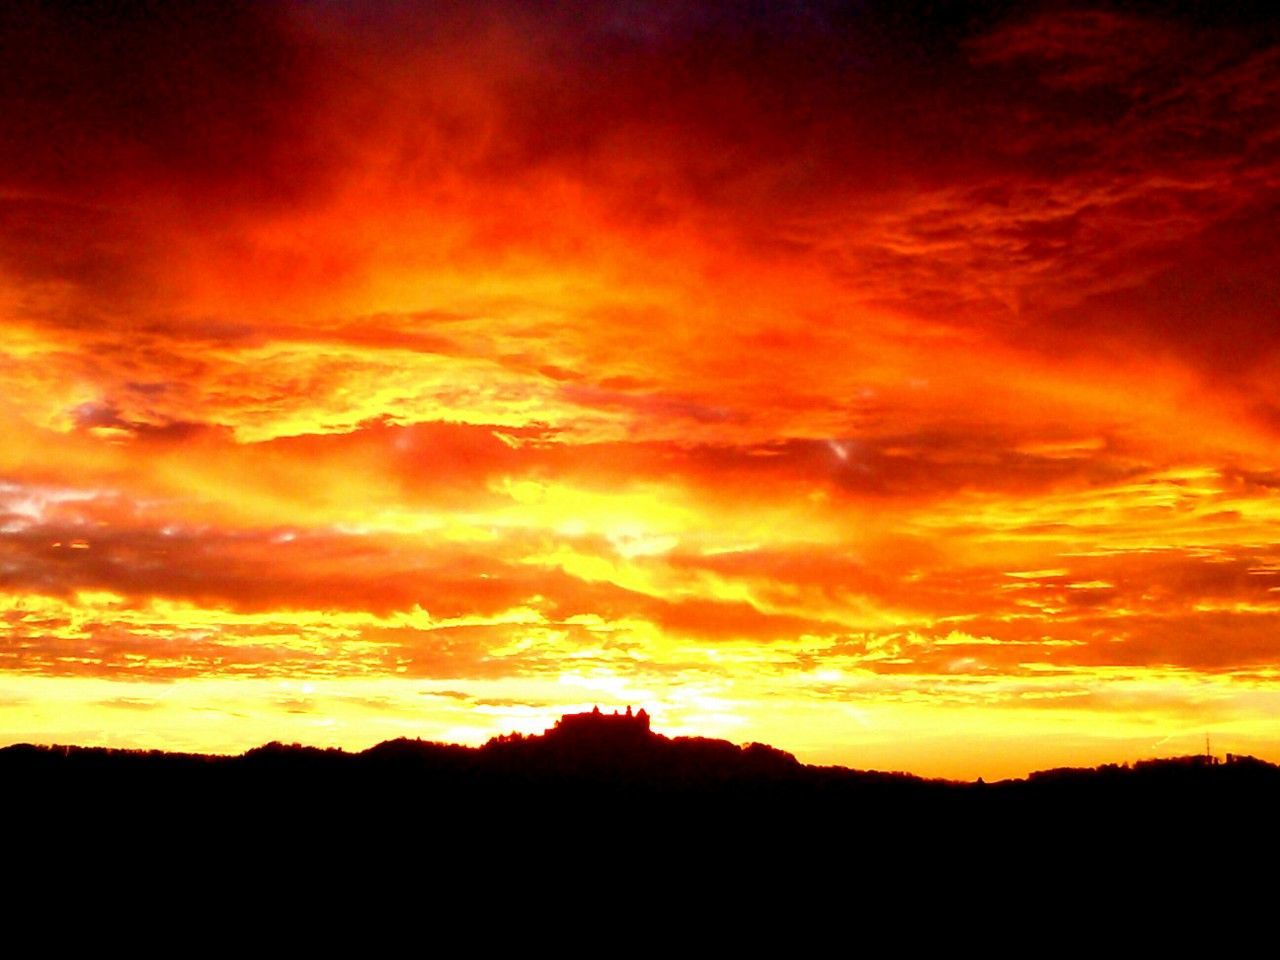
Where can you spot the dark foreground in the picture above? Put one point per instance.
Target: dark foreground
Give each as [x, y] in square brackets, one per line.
[603, 830]
[609, 779]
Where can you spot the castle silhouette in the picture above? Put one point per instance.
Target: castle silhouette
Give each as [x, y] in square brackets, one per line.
[596, 724]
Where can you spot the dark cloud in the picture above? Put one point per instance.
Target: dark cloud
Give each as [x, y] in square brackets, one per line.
[208, 101]
[1212, 308]
[259, 571]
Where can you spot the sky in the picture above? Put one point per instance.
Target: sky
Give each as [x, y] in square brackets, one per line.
[892, 382]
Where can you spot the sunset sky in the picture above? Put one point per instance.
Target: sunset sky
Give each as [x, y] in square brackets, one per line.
[897, 383]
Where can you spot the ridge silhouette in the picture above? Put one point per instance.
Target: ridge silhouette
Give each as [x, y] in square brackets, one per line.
[612, 778]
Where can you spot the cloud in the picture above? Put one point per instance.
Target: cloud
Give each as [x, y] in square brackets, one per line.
[689, 351]
[212, 101]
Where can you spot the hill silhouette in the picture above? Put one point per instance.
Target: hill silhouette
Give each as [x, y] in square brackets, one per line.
[610, 777]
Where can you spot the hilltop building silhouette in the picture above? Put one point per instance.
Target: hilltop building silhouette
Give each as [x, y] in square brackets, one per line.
[597, 724]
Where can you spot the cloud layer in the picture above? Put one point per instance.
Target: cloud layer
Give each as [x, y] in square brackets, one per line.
[857, 378]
